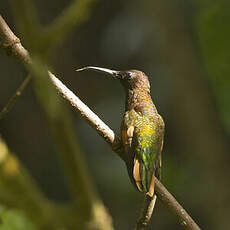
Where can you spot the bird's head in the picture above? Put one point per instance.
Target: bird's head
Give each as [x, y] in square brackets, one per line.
[130, 79]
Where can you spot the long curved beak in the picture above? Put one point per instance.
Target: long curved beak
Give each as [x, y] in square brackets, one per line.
[114, 73]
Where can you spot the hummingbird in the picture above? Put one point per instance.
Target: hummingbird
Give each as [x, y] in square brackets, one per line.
[142, 129]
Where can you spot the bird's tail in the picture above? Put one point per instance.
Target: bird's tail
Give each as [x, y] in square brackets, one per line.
[144, 178]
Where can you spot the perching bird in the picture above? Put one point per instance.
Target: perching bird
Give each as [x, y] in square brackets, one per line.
[142, 129]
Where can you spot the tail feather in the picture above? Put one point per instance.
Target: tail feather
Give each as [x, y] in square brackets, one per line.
[136, 174]
[144, 178]
[151, 187]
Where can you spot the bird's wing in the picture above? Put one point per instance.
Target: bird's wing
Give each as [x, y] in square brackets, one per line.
[127, 136]
[127, 132]
[160, 130]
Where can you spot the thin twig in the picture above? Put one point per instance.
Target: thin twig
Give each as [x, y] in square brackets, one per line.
[14, 98]
[18, 50]
[146, 212]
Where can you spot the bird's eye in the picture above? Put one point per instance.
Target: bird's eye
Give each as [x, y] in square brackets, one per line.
[128, 76]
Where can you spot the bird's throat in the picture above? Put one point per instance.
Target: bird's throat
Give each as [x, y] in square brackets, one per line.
[139, 99]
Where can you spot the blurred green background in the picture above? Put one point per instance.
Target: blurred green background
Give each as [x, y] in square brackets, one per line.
[183, 46]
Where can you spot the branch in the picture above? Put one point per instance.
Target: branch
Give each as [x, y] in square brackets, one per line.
[146, 212]
[102, 129]
[84, 194]
[14, 98]
[93, 120]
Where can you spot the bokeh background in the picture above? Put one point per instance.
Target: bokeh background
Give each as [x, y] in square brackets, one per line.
[183, 46]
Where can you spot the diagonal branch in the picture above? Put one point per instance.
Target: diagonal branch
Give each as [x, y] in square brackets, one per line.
[93, 120]
[82, 188]
[102, 129]
[146, 212]
[14, 98]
